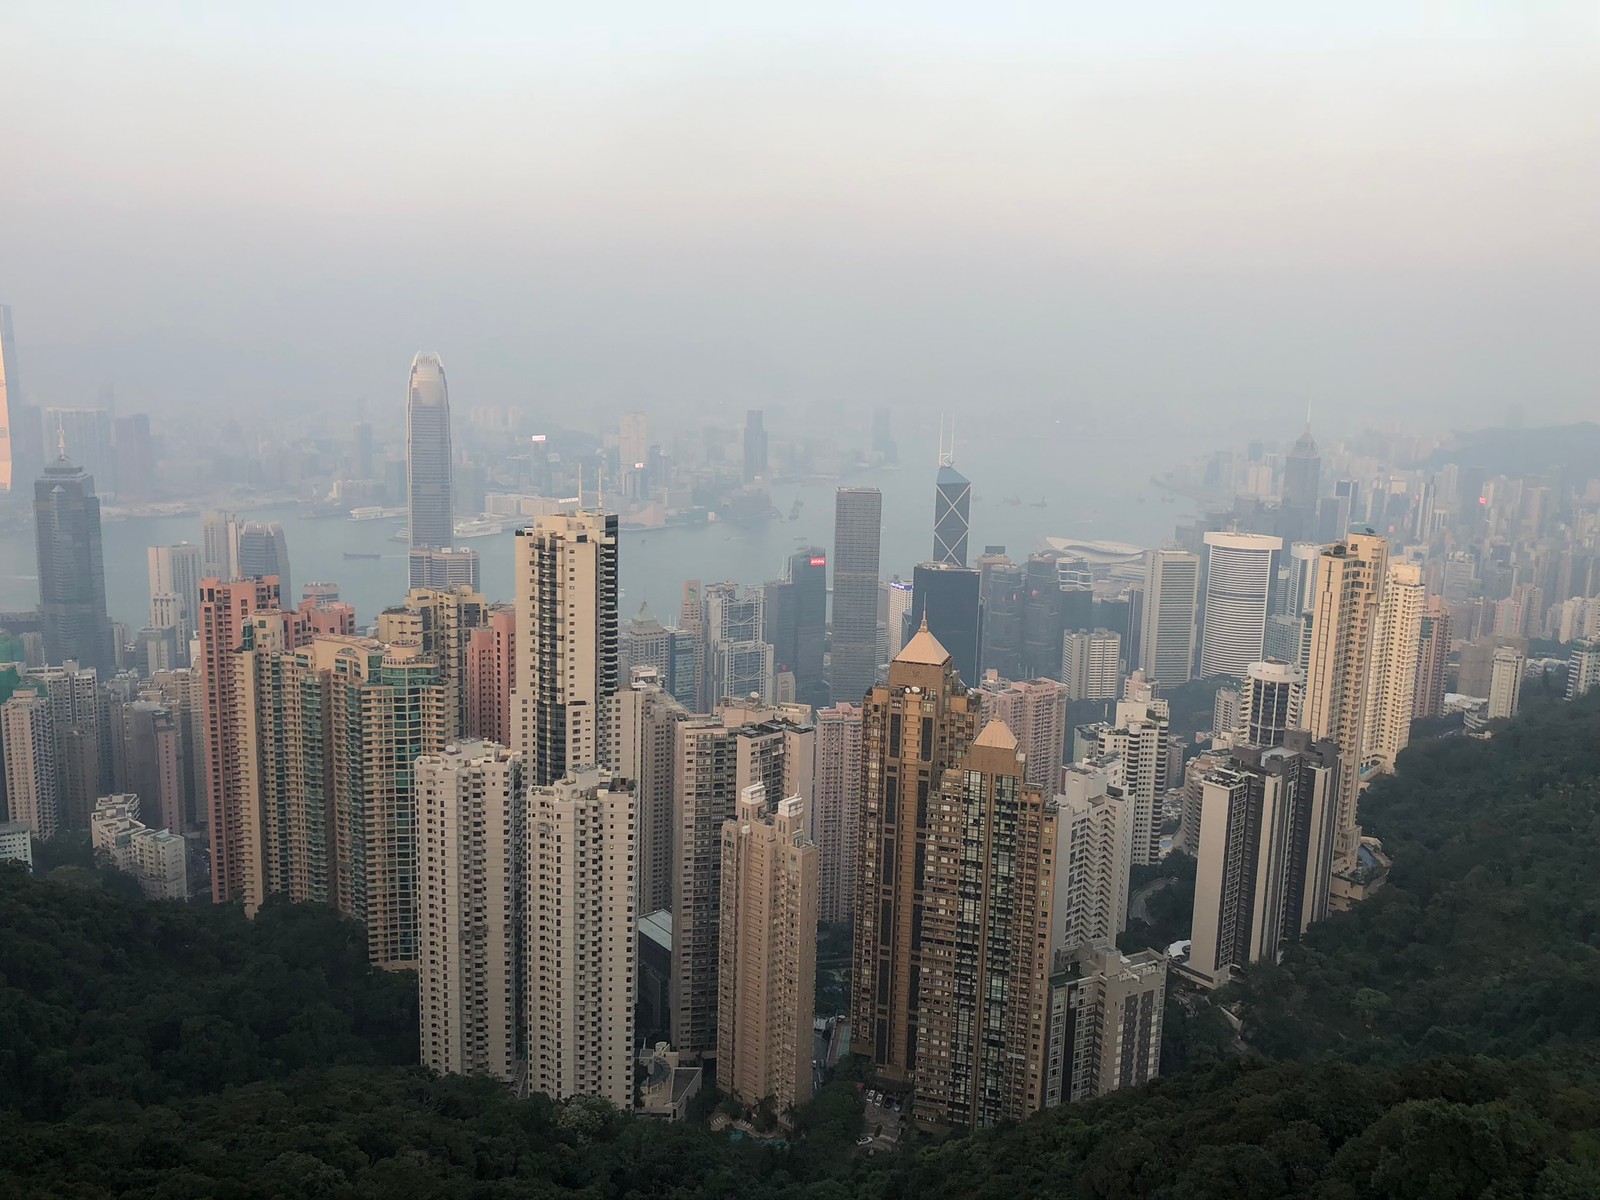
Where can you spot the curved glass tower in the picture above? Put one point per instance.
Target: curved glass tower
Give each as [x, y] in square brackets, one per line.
[428, 496]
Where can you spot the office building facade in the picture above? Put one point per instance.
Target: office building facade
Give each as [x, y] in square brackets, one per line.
[857, 532]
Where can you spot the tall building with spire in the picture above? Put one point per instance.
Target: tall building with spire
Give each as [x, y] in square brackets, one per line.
[1302, 482]
[72, 577]
[429, 499]
[952, 508]
[567, 667]
[913, 727]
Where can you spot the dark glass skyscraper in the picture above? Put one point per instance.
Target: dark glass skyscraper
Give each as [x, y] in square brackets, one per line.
[796, 623]
[1302, 482]
[947, 598]
[72, 578]
[263, 550]
[857, 531]
[952, 503]
[428, 493]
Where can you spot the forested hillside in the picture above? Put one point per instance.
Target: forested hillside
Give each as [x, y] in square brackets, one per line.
[1439, 1042]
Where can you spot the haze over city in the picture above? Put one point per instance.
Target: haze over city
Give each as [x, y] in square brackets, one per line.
[848, 601]
[1219, 213]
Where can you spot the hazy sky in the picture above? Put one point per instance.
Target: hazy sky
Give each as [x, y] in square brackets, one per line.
[1194, 212]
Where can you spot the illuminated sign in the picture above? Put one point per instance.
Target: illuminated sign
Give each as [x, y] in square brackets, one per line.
[538, 437]
[819, 562]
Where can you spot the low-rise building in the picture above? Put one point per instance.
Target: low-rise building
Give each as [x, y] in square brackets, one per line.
[157, 858]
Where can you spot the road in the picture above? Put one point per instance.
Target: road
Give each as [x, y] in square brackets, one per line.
[1138, 903]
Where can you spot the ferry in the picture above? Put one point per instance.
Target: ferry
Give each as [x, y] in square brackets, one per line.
[372, 512]
[478, 527]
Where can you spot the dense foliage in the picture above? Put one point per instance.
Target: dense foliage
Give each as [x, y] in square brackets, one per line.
[107, 999]
[1487, 938]
[1439, 1041]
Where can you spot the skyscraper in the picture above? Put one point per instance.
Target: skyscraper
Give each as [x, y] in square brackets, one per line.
[913, 727]
[1035, 710]
[27, 741]
[716, 758]
[671, 652]
[1093, 854]
[1433, 654]
[431, 567]
[797, 623]
[472, 817]
[1302, 581]
[952, 503]
[10, 401]
[428, 455]
[580, 940]
[1271, 702]
[1043, 618]
[491, 671]
[1505, 682]
[260, 550]
[857, 529]
[946, 596]
[755, 446]
[982, 971]
[440, 622]
[1344, 621]
[896, 603]
[1263, 857]
[1140, 739]
[836, 812]
[1105, 1029]
[1393, 678]
[72, 580]
[1091, 664]
[767, 973]
[1004, 593]
[1241, 572]
[225, 608]
[219, 557]
[1171, 601]
[567, 666]
[739, 664]
[176, 571]
[646, 718]
[1302, 482]
[387, 712]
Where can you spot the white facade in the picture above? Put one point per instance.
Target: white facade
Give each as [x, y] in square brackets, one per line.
[837, 810]
[16, 842]
[1091, 664]
[580, 943]
[471, 814]
[157, 858]
[564, 696]
[1393, 680]
[1241, 572]
[1093, 854]
[1271, 702]
[1171, 602]
[1505, 682]
[28, 741]
[1139, 738]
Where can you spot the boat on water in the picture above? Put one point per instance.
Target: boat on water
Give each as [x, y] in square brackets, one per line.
[357, 556]
[477, 527]
[374, 512]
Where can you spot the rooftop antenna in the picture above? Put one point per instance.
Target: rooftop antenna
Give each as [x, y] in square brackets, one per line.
[61, 437]
[947, 453]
